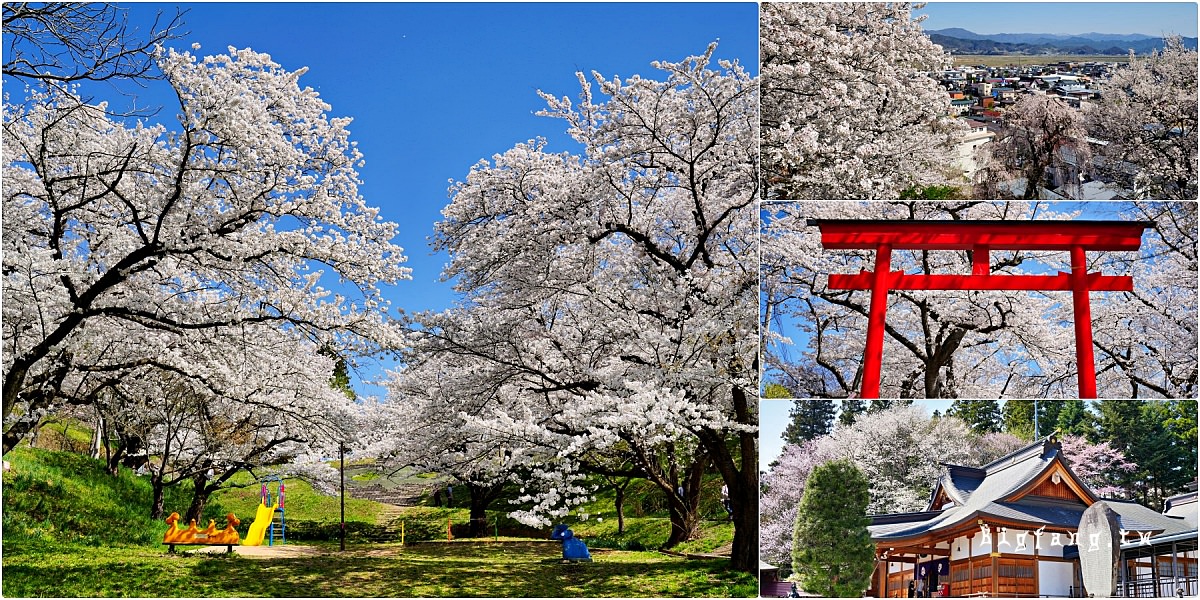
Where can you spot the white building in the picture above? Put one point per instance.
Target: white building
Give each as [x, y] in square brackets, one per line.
[968, 146]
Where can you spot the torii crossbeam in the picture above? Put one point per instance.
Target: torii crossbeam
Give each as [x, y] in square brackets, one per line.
[980, 237]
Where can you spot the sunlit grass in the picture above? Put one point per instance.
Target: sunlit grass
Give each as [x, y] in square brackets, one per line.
[432, 570]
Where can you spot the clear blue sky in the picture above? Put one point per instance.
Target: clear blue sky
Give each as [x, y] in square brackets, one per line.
[1149, 18]
[433, 88]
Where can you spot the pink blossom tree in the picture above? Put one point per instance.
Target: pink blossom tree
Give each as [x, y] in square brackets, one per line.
[1100, 465]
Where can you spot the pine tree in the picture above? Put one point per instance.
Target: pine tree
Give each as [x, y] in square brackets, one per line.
[1165, 464]
[982, 415]
[1147, 432]
[1048, 411]
[1182, 424]
[809, 419]
[850, 411]
[1118, 422]
[831, 548]
[1074, 418]
[1018, 418]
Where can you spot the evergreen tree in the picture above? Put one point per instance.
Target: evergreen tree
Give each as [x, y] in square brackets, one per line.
[1118, 422]
[1149, 434]
[982, 415]
[1182, 424]
[1074, 418]
[850, 411]
[1018, 418]
[831, 548]
[879, 404]
[809, 419]
[1048, 411]
[1165, 464]
[341, 373]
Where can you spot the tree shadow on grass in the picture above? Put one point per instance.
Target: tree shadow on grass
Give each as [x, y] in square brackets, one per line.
[433, 570]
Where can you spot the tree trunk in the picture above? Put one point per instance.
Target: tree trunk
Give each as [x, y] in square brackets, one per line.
[739, 469]
[156, 507]
[685, 511]
[200, 494]
[619, 505]
[97, 437]
[683, 521]
[481, 497]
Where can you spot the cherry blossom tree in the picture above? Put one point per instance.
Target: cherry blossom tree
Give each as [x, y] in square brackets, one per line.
[1146, 339]
[623, 281]
[63, 42]
[240, 215]
[783, 486]
[253, 397]
[978, 344]
[939, 343]
[849, 110]
[1043, 140]
[873, 443]
[1099, 465]
[1147, 122]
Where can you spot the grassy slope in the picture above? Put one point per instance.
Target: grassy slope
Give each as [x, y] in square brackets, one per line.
[62, 497]
[59, 507]
[300, 502]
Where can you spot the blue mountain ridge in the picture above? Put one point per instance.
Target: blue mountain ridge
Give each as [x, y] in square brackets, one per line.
[963, 41]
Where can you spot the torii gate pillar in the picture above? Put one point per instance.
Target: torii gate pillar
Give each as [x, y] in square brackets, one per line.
[981, 237]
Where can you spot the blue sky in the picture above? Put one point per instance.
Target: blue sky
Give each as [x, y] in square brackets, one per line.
[433, 88]
[1149, 18]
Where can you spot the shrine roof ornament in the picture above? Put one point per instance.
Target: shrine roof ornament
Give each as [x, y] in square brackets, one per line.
[980, 237]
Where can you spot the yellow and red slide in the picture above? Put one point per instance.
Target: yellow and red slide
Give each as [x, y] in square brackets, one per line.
[262, 520]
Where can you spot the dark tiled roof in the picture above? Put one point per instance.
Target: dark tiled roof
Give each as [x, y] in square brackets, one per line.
[980, 491]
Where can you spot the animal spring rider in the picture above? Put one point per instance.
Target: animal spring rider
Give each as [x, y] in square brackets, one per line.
[210, 536]
[573, 548]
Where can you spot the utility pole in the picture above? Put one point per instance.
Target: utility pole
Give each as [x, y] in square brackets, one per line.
[342, 458]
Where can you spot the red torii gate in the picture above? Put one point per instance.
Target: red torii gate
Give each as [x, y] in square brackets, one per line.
[980, 237]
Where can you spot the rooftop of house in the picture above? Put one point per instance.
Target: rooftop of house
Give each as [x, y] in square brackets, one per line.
[1002, 490]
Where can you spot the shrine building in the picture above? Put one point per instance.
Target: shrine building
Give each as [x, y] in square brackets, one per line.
[1008, 529]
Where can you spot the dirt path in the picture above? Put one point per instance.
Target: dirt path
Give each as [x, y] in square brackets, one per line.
[278, 551]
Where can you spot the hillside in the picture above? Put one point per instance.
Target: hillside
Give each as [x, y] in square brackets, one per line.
[63, 498]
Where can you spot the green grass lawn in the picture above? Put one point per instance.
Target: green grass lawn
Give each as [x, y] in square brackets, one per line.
[70, 529]
[432, 570]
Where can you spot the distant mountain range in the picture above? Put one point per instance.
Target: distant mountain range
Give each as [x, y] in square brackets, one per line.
[961, 41]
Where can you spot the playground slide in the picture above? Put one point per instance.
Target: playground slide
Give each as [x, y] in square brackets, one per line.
[258, 529]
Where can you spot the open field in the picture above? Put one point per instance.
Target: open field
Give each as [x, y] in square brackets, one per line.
[368, 570]
[1001, 60]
